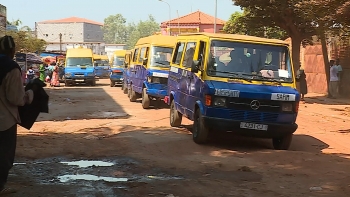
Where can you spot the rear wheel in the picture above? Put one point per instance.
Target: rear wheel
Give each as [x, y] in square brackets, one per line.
[200, 133]
[282, 143]
[146, 101]
[175, 116]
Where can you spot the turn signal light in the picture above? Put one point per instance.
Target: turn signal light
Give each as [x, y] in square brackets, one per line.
[207, 100]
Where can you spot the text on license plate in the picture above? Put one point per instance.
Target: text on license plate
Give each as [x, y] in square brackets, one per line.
[247, 125]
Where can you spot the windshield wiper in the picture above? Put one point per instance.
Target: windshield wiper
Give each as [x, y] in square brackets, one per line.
[233, 75]
[267, 78]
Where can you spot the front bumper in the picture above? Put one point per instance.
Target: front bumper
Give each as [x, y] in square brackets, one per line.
[157, 90]
[80, 79]
[274, 130]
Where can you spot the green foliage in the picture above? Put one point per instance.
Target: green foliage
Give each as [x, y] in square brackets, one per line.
[27, 42]
[240, 23]
[116, 30]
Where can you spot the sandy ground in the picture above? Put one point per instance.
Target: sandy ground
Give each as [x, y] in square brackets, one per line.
[152, 159]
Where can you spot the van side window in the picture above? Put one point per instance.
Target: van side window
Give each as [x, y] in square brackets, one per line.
[178, 53]
[135, 55]
[188, 59]
[142, 54]
[201, 54]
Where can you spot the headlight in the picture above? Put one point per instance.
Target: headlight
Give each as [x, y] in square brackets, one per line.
[90, 74]
[287, 107]
[219, 102]
[149, 79]
[68, 74]
[153, 80]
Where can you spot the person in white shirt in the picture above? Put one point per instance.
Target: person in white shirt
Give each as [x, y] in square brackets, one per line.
[333, 80]
[340, 71]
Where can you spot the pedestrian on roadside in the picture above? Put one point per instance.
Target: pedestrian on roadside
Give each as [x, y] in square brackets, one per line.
[333, 80]
[301, 78]
[12, 95]
[340, 77]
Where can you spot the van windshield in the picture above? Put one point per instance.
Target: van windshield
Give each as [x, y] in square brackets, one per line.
[250, 61]
[102, 62]
[118, 61]
[161, 56]
[79, 61]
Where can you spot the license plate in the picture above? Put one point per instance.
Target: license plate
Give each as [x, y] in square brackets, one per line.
[79, 80]
[261, 127]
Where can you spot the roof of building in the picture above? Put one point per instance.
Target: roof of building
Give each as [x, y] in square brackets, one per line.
[73, 20]
[197, 17]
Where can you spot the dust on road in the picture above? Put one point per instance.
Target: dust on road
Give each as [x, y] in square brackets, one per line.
[142, 155]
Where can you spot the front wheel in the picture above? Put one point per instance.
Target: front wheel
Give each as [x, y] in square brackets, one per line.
[200, 132]
[125, 91]
[175, 116]
[132, 94]
[146, 101]
[282, 143]
[112, 84]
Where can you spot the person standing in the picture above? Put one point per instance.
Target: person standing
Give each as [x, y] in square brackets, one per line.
[42, 72]
[12, 95]
[301, 78]
[340, 72]
[55, 81]
[333, 80]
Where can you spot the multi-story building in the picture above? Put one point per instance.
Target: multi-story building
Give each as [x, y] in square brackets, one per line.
[71, 32]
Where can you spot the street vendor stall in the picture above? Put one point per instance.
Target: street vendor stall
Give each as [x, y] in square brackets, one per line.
[25, 60]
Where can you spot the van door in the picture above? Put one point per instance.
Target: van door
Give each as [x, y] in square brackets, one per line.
[187, 75]
[133, 66]
[195, 80]
[175, 81]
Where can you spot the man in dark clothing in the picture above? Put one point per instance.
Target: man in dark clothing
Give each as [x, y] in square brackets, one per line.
[12, 95]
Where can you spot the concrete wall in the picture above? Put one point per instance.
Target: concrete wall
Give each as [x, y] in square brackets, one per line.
[210, 28]
[71, 32]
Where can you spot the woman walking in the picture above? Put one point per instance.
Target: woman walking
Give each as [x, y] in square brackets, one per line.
[55, 81]
[301, 78]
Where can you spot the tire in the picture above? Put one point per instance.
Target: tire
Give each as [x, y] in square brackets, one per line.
[282, 143]
[122, 86]
[146, 101]
[175, 116]
[200, 133]
[132, 96]
[66, 84]
[93, 83]
[125, 91]
[112, 84]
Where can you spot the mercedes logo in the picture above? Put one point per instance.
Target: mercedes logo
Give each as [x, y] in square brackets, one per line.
[255, 104]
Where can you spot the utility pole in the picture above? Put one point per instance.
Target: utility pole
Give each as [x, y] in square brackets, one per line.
[60, 42]
[216, 9]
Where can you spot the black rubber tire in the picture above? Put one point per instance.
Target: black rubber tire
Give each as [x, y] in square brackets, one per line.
[93, 83]
[146, 101]
[175, 116]
[122, 86]
[200, 133]
[125, 90]
[66, 84]
[133, 95]
[282, 143]
[112, 84]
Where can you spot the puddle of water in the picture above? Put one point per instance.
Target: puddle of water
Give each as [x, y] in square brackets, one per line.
[19, 164]
[86, 163]
[105, 114]
[89, 177]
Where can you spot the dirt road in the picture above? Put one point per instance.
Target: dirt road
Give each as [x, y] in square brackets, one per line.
[136, 153]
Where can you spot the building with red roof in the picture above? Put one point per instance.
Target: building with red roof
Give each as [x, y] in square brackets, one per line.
[191, 23]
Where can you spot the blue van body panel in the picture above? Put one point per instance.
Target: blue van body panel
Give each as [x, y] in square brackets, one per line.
[103, 71]
[78, 73]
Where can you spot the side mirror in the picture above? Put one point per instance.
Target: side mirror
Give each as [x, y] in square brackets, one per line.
[144, 61]
[195, 66]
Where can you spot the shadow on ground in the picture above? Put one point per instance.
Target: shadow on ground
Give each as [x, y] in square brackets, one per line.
[327, 101]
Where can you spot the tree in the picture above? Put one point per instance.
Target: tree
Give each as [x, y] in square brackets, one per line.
[239, 23]
[114, 29]
[27, 42]
[142, 29]
[285, 14]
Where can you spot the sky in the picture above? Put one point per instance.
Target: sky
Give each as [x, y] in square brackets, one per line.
[33, 11]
